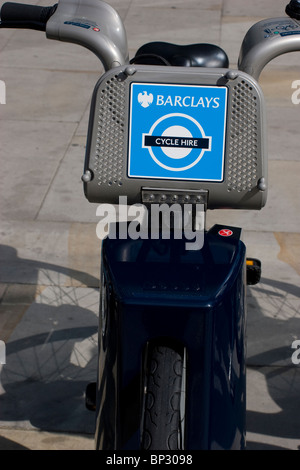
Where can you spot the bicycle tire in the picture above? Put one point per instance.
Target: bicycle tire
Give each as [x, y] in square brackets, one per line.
[162, 410]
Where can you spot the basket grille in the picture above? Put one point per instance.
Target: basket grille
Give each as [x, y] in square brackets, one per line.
[109, 147]
[244, 152]
[242, 143]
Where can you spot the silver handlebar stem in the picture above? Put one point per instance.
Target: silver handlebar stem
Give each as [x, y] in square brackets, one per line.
[92, 24]
[266, 40]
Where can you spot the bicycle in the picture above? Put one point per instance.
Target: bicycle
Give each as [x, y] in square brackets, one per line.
[172, 311]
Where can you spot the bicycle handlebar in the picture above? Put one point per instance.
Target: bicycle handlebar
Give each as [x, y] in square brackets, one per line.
[93, 24]
[293, 9]
[266, 40]
[17, 15]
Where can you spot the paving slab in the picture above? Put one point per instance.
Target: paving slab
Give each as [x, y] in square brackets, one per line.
[49, 253]
[65, 200]
[265, 9]
[182, 24]
[16, 439]
[273, 423]
[55, 343]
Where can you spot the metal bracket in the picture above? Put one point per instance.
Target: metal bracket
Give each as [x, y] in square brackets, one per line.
[188, 204]
[174, 196]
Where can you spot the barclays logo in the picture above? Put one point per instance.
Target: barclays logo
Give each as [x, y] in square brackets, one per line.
[144, 99]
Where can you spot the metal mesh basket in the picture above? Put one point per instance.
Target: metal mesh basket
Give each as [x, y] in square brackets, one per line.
[111, 134]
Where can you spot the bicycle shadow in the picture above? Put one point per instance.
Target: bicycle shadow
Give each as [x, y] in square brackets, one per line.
[51, 354]
[275, 373]
[8, 444]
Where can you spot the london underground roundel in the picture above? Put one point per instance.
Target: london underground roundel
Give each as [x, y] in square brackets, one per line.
[177, 132]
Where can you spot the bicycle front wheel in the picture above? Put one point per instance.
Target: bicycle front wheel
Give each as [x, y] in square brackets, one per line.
[164, 409]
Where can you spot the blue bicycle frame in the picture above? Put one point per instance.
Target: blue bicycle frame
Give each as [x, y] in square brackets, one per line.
[156, 290]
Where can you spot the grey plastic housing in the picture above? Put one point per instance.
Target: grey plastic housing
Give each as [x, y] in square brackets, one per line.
[244, 183]
[266, 40]
[92, 24]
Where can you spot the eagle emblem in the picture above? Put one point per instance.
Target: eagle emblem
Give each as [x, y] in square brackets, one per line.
[144, 99]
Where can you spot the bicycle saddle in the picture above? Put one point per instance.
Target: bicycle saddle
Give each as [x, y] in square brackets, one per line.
[192, 55]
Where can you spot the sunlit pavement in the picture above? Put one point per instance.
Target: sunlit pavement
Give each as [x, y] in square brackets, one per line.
[50, 253]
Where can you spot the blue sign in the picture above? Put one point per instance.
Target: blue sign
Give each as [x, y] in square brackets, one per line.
[177, 131]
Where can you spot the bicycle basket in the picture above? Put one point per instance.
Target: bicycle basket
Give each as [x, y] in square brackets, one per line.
[177, 129]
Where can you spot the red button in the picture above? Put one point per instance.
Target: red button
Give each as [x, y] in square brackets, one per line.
[225, 232]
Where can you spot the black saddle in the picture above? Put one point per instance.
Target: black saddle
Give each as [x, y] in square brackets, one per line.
[192, 55]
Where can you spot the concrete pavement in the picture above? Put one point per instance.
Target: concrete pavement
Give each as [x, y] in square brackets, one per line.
[49, 252]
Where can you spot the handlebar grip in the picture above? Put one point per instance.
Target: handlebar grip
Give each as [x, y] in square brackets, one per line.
[293, 9]
[18, 15]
